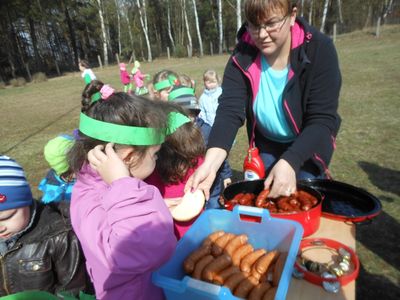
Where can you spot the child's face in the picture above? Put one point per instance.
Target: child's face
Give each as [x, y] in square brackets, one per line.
[13, 221]
[163, 94]
[210, 84]
[81, 68]
[146, 166]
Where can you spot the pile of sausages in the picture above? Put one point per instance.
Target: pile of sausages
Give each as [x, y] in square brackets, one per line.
[229, 260]
[296, 202]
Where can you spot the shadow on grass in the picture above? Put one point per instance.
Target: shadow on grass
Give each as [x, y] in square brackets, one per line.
[381, 238]
[383, 178]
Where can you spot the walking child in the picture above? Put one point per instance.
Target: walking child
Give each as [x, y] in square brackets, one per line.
[124, 225]
[87, 73]
[138, 77]
[125, 78]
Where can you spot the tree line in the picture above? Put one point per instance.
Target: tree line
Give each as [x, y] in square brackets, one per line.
[51, 36]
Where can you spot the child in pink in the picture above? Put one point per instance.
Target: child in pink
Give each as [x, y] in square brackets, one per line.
[138, 79]
[125, 78]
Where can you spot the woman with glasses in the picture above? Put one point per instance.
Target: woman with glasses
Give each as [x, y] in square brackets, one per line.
[283, 79]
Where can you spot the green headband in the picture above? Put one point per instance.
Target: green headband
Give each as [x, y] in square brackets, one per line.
[120, 134]
[96, 97]
[170, 81]
[179, 92]
[129, 135]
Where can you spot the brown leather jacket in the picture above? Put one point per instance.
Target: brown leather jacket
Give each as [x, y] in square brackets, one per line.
[46, 257]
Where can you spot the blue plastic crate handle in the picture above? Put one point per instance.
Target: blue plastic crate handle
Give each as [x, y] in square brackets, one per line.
[252, 211]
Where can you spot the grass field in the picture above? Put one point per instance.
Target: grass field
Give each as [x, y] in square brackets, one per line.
[368, 145]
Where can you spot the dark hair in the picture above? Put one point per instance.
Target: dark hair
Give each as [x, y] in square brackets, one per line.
[84, 63]
[180, 151]
[90, 89]
[119, 108]
[257, 11]
[163, 74]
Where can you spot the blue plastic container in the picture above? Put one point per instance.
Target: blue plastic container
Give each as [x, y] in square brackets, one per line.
[270, 233]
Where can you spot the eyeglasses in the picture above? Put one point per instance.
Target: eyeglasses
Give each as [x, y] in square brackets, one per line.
[274, 26]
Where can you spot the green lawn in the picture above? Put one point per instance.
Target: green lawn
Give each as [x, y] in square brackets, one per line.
[368, 145]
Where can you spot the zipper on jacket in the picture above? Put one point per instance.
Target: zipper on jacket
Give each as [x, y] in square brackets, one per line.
[3, 268]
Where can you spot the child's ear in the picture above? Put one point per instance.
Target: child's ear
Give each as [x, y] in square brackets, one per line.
[127, 155]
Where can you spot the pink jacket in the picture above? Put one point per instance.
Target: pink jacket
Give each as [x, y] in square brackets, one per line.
[125, 78]
[126, 232]
[138, 78]
[174, 191]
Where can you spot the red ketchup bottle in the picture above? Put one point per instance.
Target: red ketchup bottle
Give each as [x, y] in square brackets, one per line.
[253, 166]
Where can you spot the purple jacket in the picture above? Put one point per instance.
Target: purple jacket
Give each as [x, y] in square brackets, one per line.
[126, 232]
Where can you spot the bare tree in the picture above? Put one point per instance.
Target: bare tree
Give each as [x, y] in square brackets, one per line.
[103, 32]
[220, 28]
[324, 14]
[238, 14]
[339, 4]
[119, 26]
[196, 19]
[190, 45]
[169, 26]
[143, 22]
[310, 12]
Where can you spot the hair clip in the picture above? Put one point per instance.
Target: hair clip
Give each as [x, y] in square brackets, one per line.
[106, 91]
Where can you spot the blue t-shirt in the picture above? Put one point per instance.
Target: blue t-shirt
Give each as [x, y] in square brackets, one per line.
[268, 106]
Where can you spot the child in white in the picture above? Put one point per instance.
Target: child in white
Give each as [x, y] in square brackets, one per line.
[209, 98]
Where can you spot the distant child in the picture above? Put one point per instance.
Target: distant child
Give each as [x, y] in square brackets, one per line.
[163, 82]
[138, 77]
[125, 78]
[179, 156]
[38, 249]
[87, 73]
[123, 223]
[209, 99]
[185, 80]
[58, 183]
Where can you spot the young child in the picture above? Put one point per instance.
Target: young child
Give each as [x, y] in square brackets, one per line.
[209, 99]
[125, 78]
[124, 225]
[163, 82]
[185, 97]
[38, 249]
[179, 156]
[58, 183]
[138, 77]
[87, 73]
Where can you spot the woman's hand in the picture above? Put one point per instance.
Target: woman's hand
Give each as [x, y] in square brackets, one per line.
[204, 176]
[107, 163]
[283, 180]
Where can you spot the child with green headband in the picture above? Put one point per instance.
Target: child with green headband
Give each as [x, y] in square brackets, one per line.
[163, 82]
[179, 156]
[123, 224]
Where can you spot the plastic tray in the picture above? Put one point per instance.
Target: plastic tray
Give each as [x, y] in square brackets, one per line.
[270, 233]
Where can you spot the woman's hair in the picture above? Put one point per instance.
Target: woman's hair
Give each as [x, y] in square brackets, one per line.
[84, 63]
[257, 11]
[119, 108]
[180, 151]
[163, 75]
[211, 75]
[90, 89]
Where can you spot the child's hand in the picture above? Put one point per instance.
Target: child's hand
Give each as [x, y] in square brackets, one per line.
[107, 163]
[173, 202]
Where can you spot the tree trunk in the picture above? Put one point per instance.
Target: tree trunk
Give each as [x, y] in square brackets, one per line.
[169, 27]
[71, 33]
[324, 14]
[339, 4]
[302, 8]
[196, 19]
[387, 9]
[238, 15]
[119, 27]
[129, 28]
[103, 32]
[220, 28]
[311, 12]
[143, 22]
[189, 37]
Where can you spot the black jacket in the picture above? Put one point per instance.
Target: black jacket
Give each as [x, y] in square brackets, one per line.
[46, 257]
[310, 100]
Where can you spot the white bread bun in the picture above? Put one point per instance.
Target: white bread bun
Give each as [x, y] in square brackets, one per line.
[192, 204]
